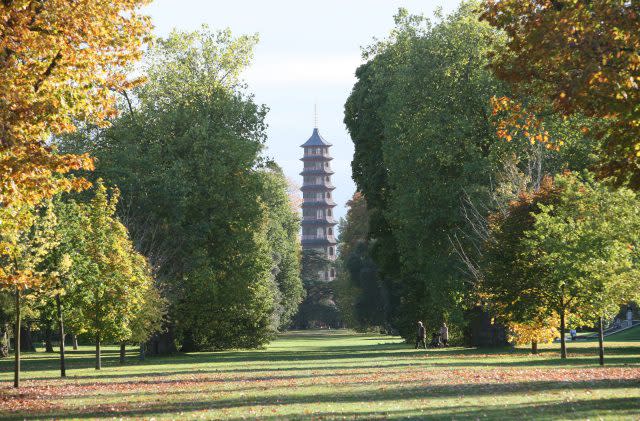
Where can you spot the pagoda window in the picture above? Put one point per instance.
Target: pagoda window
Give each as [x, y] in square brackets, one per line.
[333, 273]
[329, 213]
[330, 231]
[330, 251]
[327, 178]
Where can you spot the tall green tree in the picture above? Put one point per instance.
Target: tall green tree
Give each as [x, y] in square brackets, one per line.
[284, 240]
[196, 197]
[420, 121]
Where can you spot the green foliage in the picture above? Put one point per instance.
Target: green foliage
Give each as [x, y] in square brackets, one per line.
[569, 250]
[359, 292]
[111, 279]
[420, 120]
[429, 163]
[318, 309]
[216, 225]
[583, 248]
[283, 235]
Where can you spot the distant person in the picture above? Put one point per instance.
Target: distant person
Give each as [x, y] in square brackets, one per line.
[422, 336]
[574, 334]
[444, 334]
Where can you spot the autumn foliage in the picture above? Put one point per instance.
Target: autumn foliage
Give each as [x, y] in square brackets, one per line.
[577, 57]
[59, 61]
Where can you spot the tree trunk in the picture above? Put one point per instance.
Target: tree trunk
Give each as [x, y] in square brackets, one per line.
[142, 351]
[4, 348]
[123, 352]
[601, 340]
[74, 340]
[563, 342]
[63, 368]
[26, 340]
[534, 347]
[98, 361]
[16, 374]
[48, 340]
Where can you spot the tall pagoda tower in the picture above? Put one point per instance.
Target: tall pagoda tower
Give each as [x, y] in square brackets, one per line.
[317, 205]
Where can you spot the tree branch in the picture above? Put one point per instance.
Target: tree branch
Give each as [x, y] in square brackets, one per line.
[47, 72]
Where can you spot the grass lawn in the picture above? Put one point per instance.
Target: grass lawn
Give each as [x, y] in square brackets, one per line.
[632, 334]
[333, 375]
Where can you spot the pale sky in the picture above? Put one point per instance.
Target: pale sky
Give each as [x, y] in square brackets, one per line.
[308, 53]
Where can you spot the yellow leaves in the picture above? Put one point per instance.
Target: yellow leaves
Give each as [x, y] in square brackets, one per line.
[544, 331]
[58, 60]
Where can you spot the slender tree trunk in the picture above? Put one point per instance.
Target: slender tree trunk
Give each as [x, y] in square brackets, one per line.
[601, 340]
[123, 352]
[98, 361]
[142, 351]
[63, 368]
[74, 340]
[563, 342]
[534, 347]
[16, 340]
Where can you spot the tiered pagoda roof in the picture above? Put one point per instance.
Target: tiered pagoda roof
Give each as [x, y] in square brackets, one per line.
[317, 205]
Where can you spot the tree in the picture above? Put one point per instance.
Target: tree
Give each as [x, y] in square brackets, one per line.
[584, 246]
[422, 130]
[577, 57]
[58, 61]
[197, 195]
[318, 306]
[359, 292]
[47, 78]
[534, 332]
[568, 250]
[284, 240]
[113, 277]
[22, 254]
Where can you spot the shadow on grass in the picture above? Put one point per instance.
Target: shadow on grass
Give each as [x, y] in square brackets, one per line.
[450, 357]
[546, 411]
[419, 389]
[398, 393]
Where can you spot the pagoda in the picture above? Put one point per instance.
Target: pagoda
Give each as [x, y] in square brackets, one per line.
[318, 223]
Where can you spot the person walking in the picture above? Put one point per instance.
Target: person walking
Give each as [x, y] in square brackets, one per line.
[422, 336]
[444, 334]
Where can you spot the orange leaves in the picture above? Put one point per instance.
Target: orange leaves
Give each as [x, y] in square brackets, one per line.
[19, 279]
[514, 121]
[577, 57]
[59, 61]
